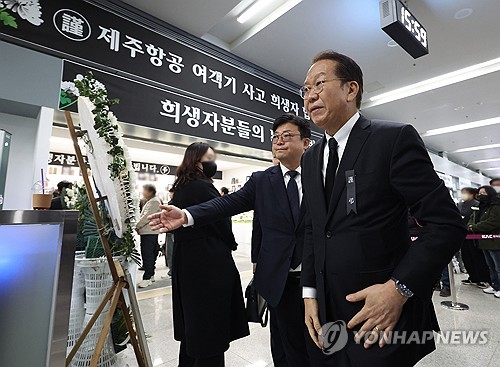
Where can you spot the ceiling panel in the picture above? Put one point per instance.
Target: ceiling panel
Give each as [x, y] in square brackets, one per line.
[287, 45]
[193, 16]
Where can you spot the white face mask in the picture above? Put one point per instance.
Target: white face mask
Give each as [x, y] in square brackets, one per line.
[497, 189]
[465, 197]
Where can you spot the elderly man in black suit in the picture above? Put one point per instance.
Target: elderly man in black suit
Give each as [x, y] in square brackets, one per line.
[276, 197]
[359, 266]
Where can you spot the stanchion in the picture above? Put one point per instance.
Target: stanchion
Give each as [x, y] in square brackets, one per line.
[453, 304]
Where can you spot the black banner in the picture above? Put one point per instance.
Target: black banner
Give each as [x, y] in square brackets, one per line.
[157, 108]
[80, 30]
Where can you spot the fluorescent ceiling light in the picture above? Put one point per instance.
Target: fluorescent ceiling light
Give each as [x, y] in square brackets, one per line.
[479, 147]
[460, 127]
[443, 80]
[251, 11]
[491, 169]
[281, 10]
[486, 161]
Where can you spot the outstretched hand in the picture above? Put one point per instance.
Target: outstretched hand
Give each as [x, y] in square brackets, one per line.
[169, 219]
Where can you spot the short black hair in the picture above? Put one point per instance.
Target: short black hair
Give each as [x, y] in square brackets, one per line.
[64, 185]
[346, 69]
[150, 188]
[225, 190]
[469, 190]
[300, 122]
[493, 180]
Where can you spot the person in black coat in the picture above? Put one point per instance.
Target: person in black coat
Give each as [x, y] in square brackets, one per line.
[473, 257]
[362, 278]
[208, 305]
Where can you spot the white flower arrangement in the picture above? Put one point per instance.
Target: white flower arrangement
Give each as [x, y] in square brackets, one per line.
[109, 158]
[29, 10]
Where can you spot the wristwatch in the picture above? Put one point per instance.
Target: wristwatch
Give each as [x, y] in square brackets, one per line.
[402, 289]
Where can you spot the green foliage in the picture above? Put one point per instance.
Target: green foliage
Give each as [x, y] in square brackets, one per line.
[89, 87]
[7, 19]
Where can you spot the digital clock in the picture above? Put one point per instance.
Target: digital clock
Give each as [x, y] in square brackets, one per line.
[400, 24]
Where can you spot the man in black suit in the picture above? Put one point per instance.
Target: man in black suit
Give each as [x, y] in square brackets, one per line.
[276, 197]
[359, 265]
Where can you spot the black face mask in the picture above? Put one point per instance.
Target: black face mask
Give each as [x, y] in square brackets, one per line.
[209, 168]
[483, 198]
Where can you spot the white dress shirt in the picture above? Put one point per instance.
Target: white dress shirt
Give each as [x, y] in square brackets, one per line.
[342, 136]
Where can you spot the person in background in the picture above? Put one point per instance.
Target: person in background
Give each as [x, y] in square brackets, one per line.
[56, 202]
[224, 191]
[208, 307]
[474, 260]
[495, 183]
[486, 220]
[149, 238]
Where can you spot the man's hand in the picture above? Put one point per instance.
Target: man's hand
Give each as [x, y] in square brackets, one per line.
[380, 314]
[312, 320]
[168, 219]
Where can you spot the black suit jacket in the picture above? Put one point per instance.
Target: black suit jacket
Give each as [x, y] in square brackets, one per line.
[345, 252]
[265, 193]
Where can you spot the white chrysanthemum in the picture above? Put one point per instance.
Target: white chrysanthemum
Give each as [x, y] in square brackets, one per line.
[70, 87]
[29, 10]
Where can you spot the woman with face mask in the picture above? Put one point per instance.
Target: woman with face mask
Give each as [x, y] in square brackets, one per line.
[486, 220]
[208, 306]
[473, 257]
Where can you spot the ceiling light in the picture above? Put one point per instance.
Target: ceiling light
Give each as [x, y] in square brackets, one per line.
[479, 147]
[443, 80]
[460, 127]
[486, 161]
[392, 43]
[463, 13]
[251, 11]
[491, 169]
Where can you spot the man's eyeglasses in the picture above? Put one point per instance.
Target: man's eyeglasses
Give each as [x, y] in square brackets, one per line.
[317, 88]
[285, 137]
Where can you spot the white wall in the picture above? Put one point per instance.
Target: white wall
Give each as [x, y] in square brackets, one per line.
[447, 167]
[29, 153]
[239, 173]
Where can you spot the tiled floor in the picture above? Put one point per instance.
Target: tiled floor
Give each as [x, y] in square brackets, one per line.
[254, 351]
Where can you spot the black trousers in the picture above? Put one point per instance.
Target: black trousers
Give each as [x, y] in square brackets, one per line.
[475, 263]
[149, 253]
[186, 360]
[291, 344]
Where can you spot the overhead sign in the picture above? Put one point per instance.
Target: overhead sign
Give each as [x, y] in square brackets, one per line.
[158, 108]
[86, 32]
[402, 26]
[69, 160]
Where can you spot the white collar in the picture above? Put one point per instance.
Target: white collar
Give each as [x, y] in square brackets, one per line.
[345, 130]
[285, 170]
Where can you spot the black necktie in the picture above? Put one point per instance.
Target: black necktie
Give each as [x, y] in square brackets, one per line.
[331, 169]
[293, 196]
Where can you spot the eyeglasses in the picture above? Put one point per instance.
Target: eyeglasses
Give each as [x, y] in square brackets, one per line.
[285, 137]
[317, 88]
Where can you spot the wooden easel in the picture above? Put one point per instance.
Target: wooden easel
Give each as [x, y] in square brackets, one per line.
[121, 281]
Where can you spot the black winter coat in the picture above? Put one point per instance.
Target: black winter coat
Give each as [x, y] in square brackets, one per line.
[208, 306]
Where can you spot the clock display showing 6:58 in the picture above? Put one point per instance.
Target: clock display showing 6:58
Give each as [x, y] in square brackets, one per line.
[409, 21]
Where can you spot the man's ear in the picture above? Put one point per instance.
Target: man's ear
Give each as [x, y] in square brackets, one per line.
[307, 143]
[353, 91]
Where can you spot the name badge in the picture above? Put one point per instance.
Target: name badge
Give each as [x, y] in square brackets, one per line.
[350, 178]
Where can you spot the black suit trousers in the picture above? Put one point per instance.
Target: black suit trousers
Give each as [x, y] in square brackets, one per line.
[291, 345]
